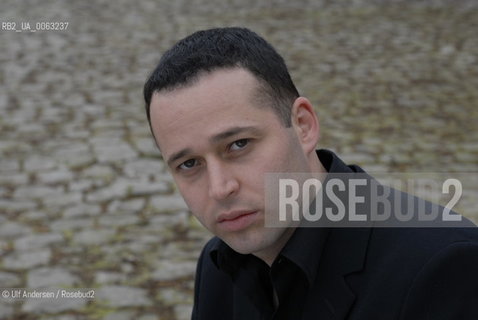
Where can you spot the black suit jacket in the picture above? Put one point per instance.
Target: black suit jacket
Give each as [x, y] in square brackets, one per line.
[368, 273]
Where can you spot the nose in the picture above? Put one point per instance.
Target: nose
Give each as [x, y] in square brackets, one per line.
[222, 181]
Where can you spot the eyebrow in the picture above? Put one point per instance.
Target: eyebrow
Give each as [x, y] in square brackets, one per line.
[214, 139]
[178, 155]
[232, 132]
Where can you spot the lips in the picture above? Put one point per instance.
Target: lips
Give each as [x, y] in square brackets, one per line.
[229, 216]
[236, 220]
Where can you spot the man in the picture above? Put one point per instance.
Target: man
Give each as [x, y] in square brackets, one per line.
[224, 111]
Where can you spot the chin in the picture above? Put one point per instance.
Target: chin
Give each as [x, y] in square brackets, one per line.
[249, 243]
[242, 244]
[242, 248]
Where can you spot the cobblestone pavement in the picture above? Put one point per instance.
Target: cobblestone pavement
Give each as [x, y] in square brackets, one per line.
[85, 200]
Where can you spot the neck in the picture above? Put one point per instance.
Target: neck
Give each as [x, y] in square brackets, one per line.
[315, 164]
[269, 254]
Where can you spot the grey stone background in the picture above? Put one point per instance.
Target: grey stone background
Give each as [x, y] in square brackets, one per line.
[85, 200]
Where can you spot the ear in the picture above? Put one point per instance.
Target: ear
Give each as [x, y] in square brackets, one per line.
[306, 124]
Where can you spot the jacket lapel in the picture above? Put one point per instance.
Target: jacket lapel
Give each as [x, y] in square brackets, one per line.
[344, 254]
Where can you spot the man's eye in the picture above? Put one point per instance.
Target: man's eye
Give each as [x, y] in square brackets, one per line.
[188, 164]
[239, 144]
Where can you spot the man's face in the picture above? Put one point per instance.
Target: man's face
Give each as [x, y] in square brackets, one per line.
[218, 142]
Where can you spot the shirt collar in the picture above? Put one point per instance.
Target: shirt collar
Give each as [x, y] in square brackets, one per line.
[304, 249]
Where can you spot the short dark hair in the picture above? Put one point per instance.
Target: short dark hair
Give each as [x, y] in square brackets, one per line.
[222, 48]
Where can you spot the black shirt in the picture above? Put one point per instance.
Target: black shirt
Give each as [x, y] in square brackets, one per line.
[291, 275]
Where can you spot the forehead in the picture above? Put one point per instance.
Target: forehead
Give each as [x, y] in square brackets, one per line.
[220, 91]
[215, 102]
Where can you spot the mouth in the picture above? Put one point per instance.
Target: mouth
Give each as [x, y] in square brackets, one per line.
[236, 220]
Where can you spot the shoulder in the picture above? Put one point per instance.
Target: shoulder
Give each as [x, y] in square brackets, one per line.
[409, 249]
[426, 241]
[413, 272]
[446, 286]
[437, 269]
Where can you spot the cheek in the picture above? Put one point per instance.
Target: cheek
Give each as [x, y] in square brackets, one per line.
[276, 160]
[192, 196]
[196, 200]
